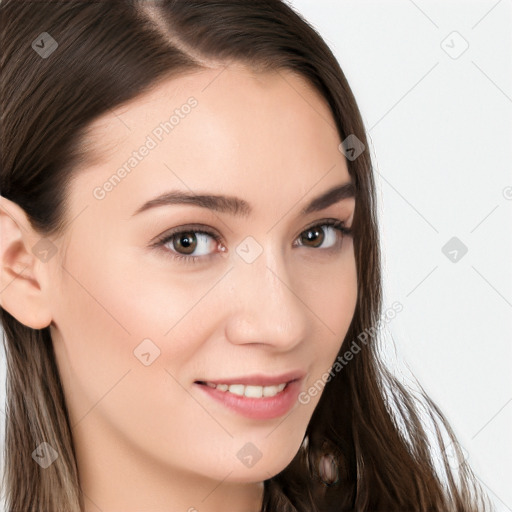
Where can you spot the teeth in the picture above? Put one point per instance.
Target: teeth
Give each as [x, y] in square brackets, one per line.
[253, 391]
[237, 389]
[249, 391]
[273, 390]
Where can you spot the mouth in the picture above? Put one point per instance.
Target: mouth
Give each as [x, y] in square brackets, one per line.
[247, 390]
[256, 397]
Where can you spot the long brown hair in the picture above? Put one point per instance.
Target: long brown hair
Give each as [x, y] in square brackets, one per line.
[366, 423]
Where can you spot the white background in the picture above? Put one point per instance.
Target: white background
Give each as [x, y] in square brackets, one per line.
[441, 138]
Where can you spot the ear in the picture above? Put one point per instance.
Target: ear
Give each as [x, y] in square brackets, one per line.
[23, 267]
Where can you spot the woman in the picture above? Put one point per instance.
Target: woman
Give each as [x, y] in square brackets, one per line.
[191, 271]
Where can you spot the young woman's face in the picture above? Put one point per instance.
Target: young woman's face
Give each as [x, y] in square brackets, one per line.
[247, 287]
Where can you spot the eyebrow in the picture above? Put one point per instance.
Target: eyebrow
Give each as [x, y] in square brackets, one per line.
[240, 207]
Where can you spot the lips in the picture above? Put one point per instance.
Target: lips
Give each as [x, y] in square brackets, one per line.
[254, 407]
[257, 379]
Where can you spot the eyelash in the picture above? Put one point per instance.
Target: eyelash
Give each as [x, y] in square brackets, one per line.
[168, 237]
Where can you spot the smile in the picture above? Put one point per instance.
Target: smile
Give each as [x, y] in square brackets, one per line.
[248, 391]
[254, 401]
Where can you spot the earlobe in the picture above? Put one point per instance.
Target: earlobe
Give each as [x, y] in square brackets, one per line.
[22, 272]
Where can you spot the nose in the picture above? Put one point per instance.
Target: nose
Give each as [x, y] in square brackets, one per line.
[266, 306]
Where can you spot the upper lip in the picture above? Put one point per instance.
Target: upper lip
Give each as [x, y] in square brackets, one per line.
[260, 379]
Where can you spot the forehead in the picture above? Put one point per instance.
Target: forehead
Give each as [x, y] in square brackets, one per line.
[221, 129]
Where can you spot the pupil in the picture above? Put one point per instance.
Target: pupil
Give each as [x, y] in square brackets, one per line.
[312, 234]
[187, 242]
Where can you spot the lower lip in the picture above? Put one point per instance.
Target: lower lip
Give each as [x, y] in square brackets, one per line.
[257, 408]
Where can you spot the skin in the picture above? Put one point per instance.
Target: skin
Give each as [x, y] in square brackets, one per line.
[146, 438]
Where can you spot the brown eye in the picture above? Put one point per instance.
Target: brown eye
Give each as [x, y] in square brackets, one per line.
[327, 234]
[185, 243]
[190, 244]
[314, 236]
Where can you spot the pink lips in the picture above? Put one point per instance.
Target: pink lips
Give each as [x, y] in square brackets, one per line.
[259, 379]
[257, 408]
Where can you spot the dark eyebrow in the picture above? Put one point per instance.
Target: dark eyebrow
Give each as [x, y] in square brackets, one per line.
[332, 196]
[237, 206]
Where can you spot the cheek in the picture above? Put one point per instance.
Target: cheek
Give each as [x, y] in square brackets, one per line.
[104, 309]
[333, 303]
[114, 357]
[330, 291]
